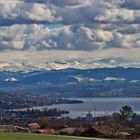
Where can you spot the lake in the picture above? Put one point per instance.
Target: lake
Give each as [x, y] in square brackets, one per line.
[98, 106]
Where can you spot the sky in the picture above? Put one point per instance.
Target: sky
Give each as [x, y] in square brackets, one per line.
[40, 32]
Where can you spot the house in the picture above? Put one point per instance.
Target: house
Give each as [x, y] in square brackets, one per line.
[33, 126]
[71, 131]
[67, 131]
[22, 129]
[124, 135]
[46, 131]
[92, 132]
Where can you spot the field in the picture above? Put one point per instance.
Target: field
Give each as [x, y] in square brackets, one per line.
[22, 136]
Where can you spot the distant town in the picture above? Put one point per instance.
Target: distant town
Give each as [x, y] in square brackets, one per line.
[20, 101]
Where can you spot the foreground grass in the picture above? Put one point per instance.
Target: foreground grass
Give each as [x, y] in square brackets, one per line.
[25, 136]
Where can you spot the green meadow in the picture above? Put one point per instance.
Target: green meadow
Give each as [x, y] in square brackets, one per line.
[25, 136]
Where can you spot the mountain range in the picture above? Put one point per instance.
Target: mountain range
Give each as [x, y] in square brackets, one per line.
[71, 82]
[73, 62]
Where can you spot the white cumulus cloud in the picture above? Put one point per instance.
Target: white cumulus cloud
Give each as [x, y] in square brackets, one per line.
[97, 27]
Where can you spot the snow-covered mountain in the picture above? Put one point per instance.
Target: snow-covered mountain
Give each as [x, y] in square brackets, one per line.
[77, 63]
[74, 77]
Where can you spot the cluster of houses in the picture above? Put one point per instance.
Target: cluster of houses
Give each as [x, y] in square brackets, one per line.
[31, 128]
[96, 129]
[35, 128]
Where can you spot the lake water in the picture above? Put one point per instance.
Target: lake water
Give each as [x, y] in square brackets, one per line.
[99, 106]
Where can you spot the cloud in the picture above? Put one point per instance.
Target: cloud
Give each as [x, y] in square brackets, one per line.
[135, 81]
[68, 12]
[95, 27]
[134, 5]
[114, 79]
[75, 37]
[11, 79]
[116, 15]
[20, 12]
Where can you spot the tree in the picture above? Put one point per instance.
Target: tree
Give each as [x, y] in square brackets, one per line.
[43, 122]
[126, 113]
[116, 116]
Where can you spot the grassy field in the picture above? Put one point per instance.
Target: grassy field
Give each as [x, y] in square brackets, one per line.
[22, 136]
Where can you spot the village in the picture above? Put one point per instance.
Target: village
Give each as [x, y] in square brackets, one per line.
[123, 125]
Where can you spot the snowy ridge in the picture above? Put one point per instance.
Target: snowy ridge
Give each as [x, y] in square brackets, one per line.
[69, 63]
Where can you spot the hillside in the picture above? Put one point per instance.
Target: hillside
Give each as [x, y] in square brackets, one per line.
[101, 82]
